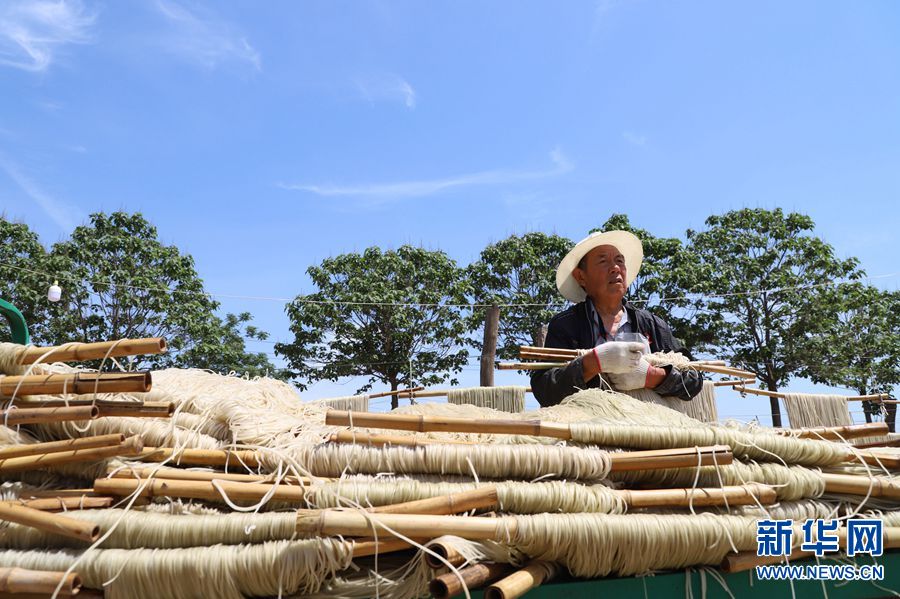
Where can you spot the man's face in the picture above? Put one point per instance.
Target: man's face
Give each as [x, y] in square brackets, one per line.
[602, 273]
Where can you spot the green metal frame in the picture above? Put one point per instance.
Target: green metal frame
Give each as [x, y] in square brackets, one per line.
[17, 323]
[741, 584]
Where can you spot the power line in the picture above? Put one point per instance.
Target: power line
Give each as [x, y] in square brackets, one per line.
[302, 300]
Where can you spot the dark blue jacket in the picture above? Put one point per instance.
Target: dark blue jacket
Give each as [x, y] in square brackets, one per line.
[571, 329]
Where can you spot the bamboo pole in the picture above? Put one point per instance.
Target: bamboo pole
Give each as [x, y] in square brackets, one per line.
[660, 459]
[16, 415]
[837, 433]
[205, 490]
[130, 447]
[750, 494]
[848, 484]
[360, 524]
[58, 493]
[361, 438]
[201, 457]
[432, 393]
[20, 581]
[161, 472]
[50, 522]
[565, 355]
[874, 459]
[455, 503]
[528, 365]
[536, 573]
[109, 408]
[422, 424]
[80, 383]
[780, 395]
[875, 444]
[381, 546]
[396, 392]
[693, 365]
[77, 352]
[733, 382]
[435, 393]
[558, 351]
[473, 577]
[62, 504]
[15, 451]
[447, 552]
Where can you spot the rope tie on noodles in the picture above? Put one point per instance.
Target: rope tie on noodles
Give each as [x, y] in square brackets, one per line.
[489, 461]
[504, 399]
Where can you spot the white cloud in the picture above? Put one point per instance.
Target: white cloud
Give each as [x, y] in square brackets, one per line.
[205, 39]
[65, 217]
[635, 139]
[409, 189]
[31, 33]
[390, 88]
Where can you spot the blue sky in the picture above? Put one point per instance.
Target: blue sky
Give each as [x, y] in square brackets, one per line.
[262, 138]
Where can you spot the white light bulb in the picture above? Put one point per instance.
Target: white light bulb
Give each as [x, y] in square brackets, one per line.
[54, 293]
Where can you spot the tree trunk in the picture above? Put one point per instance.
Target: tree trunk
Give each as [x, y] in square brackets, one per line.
[395, 400]
[773, 401]
[776, 411]
[539, 335]
[489, 347]
[868, 406]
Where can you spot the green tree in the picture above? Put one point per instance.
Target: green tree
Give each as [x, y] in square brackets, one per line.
[222, 348]
[761, 274]
[22, 279]
[518, 270]
[656, 286]
[386, 315]
[859, 346]
[120, 281]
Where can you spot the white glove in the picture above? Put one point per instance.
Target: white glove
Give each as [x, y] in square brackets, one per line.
[636, 379]
[618, 356]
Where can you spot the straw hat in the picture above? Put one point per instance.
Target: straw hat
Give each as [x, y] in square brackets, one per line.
[625, 242]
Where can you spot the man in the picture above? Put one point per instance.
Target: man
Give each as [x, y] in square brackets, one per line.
[594, 276]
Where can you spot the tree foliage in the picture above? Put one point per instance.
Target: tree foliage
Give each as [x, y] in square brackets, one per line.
[518, 270]
[120, 281]
[22, 281]
[380, 314]
[762, 275]
[858, 347]
[223, 348]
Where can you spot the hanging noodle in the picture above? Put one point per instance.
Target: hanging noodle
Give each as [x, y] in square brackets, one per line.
[702, 407]
[809, 410]
[504, 399]
[357, 403]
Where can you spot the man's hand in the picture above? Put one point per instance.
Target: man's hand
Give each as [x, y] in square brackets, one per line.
[643, 376]
[636, 379]
[618, 357]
